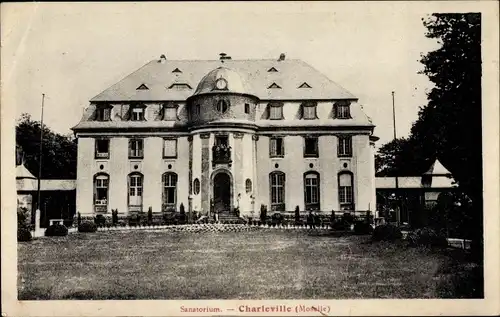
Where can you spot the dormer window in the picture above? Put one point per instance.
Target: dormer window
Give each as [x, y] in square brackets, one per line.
[142, 87]
[305, 85]
[275, 111]
[137, 113]
[272, 70]
[103, 113]
[177, 70]
[309, 111]
[342, 111]
[170, 112]
[274, 86]
[180, 86]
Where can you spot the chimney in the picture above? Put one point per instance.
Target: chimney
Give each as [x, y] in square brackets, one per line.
[163, 59]
[282, 57]
[222, 56]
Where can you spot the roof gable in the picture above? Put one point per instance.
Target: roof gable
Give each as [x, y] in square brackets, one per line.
[274, 86]
[305, 85]
[142, 87]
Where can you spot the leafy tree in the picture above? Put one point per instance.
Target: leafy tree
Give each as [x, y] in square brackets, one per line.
[59, 152]
[449, 126]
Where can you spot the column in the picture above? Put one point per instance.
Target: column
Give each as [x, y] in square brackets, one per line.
[205, 172]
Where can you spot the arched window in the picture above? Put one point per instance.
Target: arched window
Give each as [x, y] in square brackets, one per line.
[135, 191]
[222, 105]
[346, 192]
[311, 191]
[248, 186]
[196, 186]
[277, 191]
[101, 192]
[169, 195]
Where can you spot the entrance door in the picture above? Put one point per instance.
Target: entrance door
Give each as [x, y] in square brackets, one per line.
[222, 192]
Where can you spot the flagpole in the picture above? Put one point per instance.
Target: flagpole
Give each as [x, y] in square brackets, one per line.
[398, 212]
[40, 155]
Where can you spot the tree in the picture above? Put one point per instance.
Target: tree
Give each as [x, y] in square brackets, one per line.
[401, 157]
[59, 152]
[449, 126]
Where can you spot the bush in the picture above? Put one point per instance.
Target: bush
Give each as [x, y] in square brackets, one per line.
[277, 218]
[297, 215]
[340, 226]
[386, 232]
[114, 216]
[263, 213]
[87, 226]
[363, 228]
[56, 230]
[427, 237]
[23, 234]
[23, 217]
[100, 220]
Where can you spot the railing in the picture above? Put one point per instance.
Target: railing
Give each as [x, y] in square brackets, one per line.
[221, 154]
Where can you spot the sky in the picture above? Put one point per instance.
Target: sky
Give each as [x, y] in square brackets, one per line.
[72, 52]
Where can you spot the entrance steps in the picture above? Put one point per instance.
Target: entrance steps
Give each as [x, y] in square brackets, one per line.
[225, 217]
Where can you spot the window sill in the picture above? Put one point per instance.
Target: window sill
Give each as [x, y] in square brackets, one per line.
[136, 157]
[344, 156]
[170, 157]
[311, 156]
[276, 118]
[276, 156]
[100, 157]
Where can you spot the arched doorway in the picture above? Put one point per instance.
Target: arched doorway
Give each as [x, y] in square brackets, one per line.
[222, 192]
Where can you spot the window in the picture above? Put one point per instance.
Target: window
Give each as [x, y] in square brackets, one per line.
[103, 113]
[345, 146]
[169, 196]
[342, 111]
[169, 148]
[311, 191]
[101, 186]
[346, 198]
[170, 112]
[102, 148]
[137, 113]
[222, 106]
[197, 110]
[274, 86]
[277, 184]
[180, 86]
[276, 147]
[248, 186]
[247, 108]
[275, 112]
[272, 70]
[311, 147]
[309, 111]
[135, 191]
[305, 85]
[196, 186]
[136, 148]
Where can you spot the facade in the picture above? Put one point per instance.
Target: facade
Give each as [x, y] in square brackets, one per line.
[216, 135]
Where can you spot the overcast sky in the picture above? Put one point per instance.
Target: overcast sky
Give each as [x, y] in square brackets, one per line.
[72, 52]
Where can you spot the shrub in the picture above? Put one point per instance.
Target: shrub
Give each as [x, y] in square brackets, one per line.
[427, 237]
[100, 220]
[56, 230]
[23, 234]
[363, 228]
[386, 232]
[87, 226]
[340, 225]
[277, 218]
[263, 213]
[23, 217]
[114, 216]
[79, 218]
[297, 215]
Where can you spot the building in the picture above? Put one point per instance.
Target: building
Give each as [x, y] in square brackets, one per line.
[216, 135]
[57, 196]
[412, 194]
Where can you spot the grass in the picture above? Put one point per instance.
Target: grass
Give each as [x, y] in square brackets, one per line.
[245, 265]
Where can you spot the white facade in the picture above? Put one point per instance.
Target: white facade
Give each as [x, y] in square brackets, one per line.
[214, 152]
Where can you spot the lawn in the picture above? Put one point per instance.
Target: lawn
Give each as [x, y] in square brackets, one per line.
[261, 264]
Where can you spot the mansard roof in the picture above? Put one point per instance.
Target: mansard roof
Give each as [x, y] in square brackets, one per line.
[158, 76]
